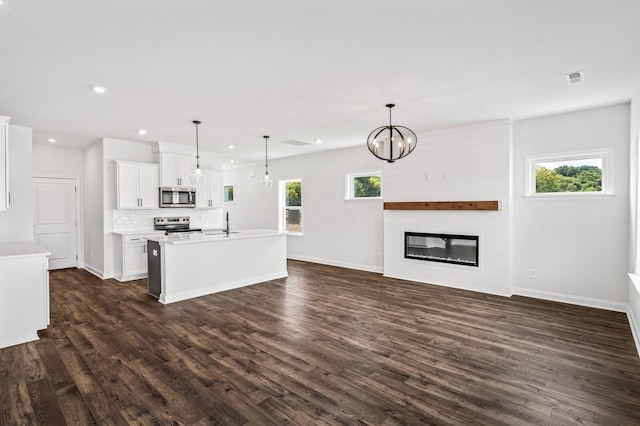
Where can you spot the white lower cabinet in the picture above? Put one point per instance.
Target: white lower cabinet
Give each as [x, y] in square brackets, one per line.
[131, 256]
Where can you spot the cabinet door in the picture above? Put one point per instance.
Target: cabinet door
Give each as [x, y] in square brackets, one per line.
[148, 186]
[215, 189]
[135, 259]
[186, 163]
[127, 186]
[202, 193]
[169, 169]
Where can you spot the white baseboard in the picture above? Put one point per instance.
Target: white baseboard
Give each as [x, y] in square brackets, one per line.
[94, 271]
[635, 329]
[496, 291]
[571, 299]
[331, 262]
[204, 291]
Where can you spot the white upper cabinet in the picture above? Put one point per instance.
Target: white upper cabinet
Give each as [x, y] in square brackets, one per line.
[137, 185]
[209, 191]
[176, 169]
[4, 163]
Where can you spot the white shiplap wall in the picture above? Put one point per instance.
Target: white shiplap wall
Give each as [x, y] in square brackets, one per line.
[465, 163]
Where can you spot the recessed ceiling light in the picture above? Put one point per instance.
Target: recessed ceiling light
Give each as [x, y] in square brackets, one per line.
[142, 132]
[232, 161]
[99, 89]
[230, 146]
[52, 140]
[318, 141]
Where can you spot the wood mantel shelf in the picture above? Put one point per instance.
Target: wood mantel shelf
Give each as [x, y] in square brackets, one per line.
[443, 205]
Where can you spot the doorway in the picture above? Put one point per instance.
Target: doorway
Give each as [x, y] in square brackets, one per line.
[55, 220]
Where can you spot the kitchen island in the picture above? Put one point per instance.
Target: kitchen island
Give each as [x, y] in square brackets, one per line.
[196, 264]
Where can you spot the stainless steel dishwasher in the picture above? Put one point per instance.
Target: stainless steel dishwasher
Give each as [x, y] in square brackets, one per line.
[154, 272]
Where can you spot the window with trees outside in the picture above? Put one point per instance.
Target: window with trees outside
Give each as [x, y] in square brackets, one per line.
[291, 206]
[362, 186]
[228, 193]
[570, 174]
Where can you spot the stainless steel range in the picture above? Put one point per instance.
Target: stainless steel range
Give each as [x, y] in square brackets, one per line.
[173, 225]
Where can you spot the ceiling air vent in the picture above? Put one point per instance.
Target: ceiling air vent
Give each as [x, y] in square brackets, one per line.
[296, 142]
[575, 77]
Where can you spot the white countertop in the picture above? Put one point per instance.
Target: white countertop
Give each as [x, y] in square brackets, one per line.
[211, 236]
[22, 249]
[138, 232]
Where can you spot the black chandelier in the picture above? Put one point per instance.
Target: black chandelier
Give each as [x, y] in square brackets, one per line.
[391, 143]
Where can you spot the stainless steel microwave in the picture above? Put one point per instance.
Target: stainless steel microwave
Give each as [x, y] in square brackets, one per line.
[177, 197]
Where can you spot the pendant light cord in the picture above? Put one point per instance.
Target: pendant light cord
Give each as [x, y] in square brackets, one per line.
[266, 157]
[197, 145]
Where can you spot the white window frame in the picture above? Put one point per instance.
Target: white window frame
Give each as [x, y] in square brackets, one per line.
[282, 208]
[606, 155]
[349, 179]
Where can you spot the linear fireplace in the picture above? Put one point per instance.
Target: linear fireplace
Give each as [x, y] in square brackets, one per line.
[446, 248]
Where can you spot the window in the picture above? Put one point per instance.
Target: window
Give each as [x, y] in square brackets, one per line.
[363, 186]
[291, 206]
[228, 193]
[573, 174]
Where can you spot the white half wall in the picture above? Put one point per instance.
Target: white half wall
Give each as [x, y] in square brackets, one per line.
[633, 312]
[578, 247]
[16, 223]
[460, 164]
[336, 231]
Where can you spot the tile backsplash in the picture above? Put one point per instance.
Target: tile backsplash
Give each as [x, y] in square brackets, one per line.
[133, 220]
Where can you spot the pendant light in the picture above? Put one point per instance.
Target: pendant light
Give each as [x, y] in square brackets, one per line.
[391, 143]
[266, 180]
[197, 174]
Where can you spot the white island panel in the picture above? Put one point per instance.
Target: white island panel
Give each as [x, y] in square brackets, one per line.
[24, 292]
[197, 265]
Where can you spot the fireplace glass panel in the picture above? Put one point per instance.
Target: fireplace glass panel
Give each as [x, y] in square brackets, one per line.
[445, 248]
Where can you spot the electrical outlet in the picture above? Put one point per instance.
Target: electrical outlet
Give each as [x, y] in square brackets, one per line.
[533, 274]
[445, 176]
[427, 178]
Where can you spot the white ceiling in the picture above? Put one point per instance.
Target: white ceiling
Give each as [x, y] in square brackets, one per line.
[302, 69]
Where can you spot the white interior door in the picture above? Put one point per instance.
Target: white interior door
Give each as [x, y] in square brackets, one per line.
[55, 222]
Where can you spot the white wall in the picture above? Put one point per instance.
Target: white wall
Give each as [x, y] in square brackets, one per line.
[633, 311]
[93, 208]
[336, 232]
[16, 223]
[579, 247]
[54, 160]
[461, 164]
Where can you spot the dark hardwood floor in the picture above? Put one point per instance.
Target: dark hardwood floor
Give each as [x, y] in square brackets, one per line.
[324, 346]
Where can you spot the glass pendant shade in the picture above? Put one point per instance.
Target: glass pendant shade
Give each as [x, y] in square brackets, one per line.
[266, 180]
[196, 173]
[391, 143]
